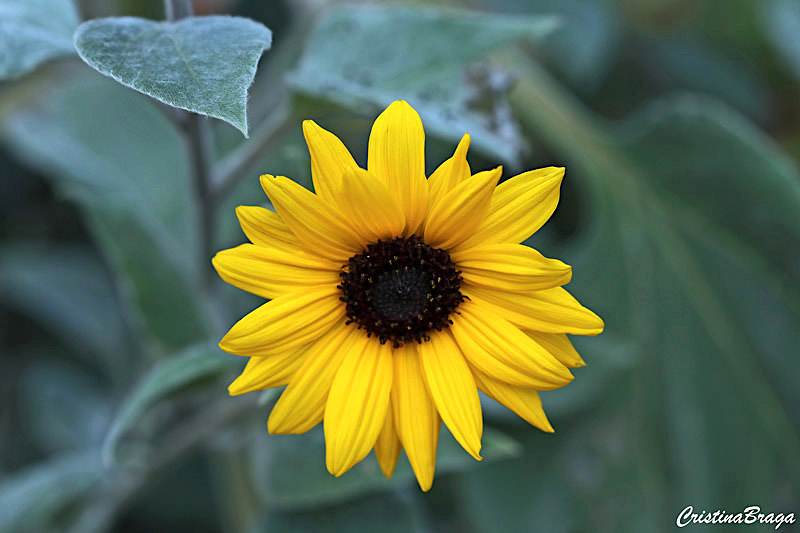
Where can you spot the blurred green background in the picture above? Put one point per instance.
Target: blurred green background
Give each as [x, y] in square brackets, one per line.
[679, 124]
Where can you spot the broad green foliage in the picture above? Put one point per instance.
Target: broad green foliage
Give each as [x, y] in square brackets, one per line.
[681, 220]
[695, 219]
[352, 59]
[681, 62]
[781, 19]
[32, 496]
[292, 474]
[390, 512]
[202, 64]
[584, 45]
[50, 283]
[67, 408]
[164, 379]
[32, 32]
[133, 183]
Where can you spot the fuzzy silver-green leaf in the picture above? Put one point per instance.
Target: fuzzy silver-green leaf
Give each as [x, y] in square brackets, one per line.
[201, 64]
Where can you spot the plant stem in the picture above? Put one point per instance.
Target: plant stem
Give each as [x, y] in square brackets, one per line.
[177, 9]
[124, 486]
[201, 148]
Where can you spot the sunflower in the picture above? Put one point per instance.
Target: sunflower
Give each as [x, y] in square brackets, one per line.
[394, 298]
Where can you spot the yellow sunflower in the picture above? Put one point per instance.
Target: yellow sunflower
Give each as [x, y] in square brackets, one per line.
[394, 298]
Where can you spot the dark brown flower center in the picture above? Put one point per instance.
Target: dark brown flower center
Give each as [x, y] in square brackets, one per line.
[400, 290]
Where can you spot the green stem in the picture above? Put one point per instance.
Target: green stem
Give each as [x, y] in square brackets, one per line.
[200, 139]
[125, 486]
[201, 148]
[178, 9]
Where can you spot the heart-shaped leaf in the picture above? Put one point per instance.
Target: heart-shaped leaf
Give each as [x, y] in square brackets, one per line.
[201, 64]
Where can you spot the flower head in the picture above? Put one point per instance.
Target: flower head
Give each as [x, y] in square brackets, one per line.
[394, 298]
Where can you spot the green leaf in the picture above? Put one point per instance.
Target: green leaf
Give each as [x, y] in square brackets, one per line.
[352, 60]
[50, 283]
[33, 496]
[133, 185]
[164, 380]
[389, 512]
[688, 247]
[32, 32]
[584, 47]
[688, 64]
[781, 20]
[65, 407]
[201, 64]
[289, 471]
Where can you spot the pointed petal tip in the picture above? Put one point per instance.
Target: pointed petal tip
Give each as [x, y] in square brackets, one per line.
[387, 470]
[474, 450]
[426, 485]
[599, 324]
[567, 274]
[272, 428]
[267, 181]
[401, 106]
[311, 128]
[336, 470]
[463, 144]
[223, 344]
[278, 426]
[235, 390]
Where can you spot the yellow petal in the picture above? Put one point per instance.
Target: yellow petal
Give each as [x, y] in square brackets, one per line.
[357, 405]
[302, 405]
[397, 156]
[416, 418]
[498, 348]
[453, 390]
[549, 311]
[369, 206]
[560, 346]
[272, 272]
[267, 372]
[265, 228]
[462, 210]
[449, 174]
[314, 221]
[285, 323]
[387, 447]
[524, 402]
[510, 267]
[519, 207]
[329, 158]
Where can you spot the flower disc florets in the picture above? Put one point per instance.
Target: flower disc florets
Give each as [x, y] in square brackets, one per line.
[400, 290]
